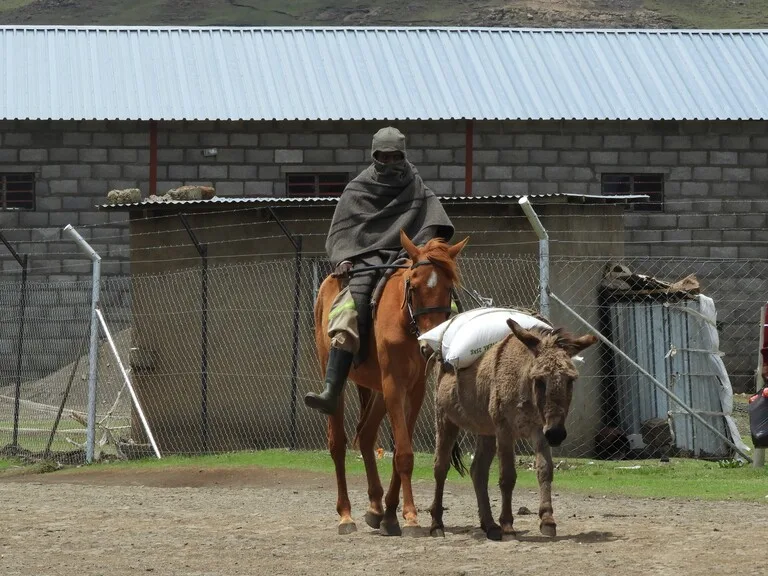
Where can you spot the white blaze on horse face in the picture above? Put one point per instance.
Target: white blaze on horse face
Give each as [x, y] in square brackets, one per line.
[432, 282]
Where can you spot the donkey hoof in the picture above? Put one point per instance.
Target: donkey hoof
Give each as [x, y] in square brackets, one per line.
[412, 531]
[347, 528]
[372, 519]
[390, 527]
[493, 533]
[549, 530]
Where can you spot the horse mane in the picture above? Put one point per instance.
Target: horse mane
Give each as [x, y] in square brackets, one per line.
[436, 251]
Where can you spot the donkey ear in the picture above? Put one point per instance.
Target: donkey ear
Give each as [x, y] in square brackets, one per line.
[408, 245]
[456, 249]
[581, 343]
[526, 337]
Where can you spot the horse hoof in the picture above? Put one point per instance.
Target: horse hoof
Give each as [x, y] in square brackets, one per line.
[413, 531]
[390, 528]
[437, 532]
[549, 530]
[373, 520]
[494, 533]
[347, 528]
[507, 529]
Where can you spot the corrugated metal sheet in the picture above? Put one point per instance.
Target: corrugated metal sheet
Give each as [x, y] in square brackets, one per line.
[674, 345]
[277, 201]
[167, 73]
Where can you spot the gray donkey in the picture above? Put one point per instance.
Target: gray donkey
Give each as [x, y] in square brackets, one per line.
[521, 387]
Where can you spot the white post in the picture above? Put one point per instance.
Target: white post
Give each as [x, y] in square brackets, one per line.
[128, 383]
[541, 232]
[758, 460]
[93, 353]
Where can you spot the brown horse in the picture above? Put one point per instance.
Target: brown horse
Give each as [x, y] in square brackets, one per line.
[520, 388]
[413, 300]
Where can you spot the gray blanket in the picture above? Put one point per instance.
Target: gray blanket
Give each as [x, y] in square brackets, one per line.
[366, 230]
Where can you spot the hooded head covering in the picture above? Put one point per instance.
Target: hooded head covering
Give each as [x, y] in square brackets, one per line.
[390, 139]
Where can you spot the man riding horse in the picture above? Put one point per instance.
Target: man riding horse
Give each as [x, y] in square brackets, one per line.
[386, 197]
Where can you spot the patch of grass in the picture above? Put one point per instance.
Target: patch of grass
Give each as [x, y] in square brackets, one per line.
[688, 479]
[13, 4]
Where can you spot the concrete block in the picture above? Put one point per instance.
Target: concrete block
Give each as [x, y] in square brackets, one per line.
[720, 157]
[33, 155]
[731, 142]
[348, 156]
[707, 173]
[92, 155]
[529, 141]
[648, 142]
[695, 189]
[307, 140]
[270, 140]
[627, 158]
[694, 157]
[614, 142]
[752, 159]
[438, 156]
[63, 186]
[590, 142]
[243, 172]
[528, 172]
[106, 170]
[340, 141]
[207, 171]
[229, 188]
[498, 172]
[124, 155]
[512, 156]
[283, 156]
[452, 172]
[546, 157]
[736, 174]
[259, 156]
[666, 158]
[167, 155]
[230, 156]
[515, 188]
[213, 140]
[76, 170]
[604, 157]
[677, 142]
[558, 173]
[258, 188]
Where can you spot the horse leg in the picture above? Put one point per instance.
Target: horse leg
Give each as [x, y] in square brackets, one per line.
[367, 433]
[481, 465]
[507, 480]
[402, 460]
[445, 438]
[544, 474]
[337, 445]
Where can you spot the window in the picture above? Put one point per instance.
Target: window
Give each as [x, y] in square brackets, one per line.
[17, 191]
[652, 185]
[310, 185]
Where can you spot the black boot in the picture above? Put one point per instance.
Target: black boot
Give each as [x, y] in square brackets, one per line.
[339, 363]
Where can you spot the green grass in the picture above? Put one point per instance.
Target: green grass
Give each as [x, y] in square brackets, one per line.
[690, 479]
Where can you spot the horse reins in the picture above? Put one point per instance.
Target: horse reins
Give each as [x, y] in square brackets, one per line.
[413, 325]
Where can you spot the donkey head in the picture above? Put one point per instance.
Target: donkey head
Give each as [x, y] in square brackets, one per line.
[551, 374]
[432, 275]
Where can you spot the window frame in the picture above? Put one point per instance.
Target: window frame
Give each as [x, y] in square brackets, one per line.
[655, 201]
[30, 203]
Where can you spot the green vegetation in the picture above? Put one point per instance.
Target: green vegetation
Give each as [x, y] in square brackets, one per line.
[644, 478]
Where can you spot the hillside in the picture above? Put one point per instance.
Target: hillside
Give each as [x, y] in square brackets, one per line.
[527, 13]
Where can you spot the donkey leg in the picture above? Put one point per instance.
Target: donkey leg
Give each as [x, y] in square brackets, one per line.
[481, 465]
[445, 438]
[367, 434]
[507, 480]
[337, 445]
[544, 474]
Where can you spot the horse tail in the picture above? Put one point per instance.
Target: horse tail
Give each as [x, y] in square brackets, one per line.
[456, 459]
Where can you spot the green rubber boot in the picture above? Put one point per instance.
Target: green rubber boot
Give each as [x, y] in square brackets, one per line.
[339, 363]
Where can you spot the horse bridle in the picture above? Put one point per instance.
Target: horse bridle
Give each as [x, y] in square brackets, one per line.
[413, 325]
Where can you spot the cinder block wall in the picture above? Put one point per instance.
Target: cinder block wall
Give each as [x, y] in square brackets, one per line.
[715, 178]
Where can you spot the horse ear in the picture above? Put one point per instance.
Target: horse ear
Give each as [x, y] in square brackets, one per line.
[454, 250]
[581, 343]
[408, 245]
[526, 337]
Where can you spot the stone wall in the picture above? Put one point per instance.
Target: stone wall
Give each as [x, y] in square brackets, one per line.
[715, 179]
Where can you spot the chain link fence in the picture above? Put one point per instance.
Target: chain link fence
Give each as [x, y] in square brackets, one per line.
[221, 359]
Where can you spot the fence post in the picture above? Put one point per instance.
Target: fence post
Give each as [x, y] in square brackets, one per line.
[541, 232]
[295, 349]
[93, 353]
[23, 261]
[202, 250]
[762, 355]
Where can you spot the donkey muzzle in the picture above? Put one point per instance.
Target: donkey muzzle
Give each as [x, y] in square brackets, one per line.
[555, 435]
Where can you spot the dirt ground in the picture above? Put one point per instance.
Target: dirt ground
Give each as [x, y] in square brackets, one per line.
[256, 521]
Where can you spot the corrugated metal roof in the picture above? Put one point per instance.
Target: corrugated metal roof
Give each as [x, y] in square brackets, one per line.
[165, 73]
[278, 201]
